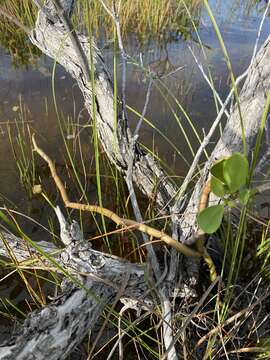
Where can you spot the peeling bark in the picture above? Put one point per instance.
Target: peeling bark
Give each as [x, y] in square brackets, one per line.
[97, 278]
[53, 40]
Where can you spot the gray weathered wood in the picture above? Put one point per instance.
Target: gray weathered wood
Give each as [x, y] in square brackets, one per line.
[53, 40]
[252, 101]
[96, 281]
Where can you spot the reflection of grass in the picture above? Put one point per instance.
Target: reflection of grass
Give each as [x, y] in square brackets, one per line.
[22, 153]
[14, 39]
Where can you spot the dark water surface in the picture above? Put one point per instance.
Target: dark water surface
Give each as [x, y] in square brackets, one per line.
[31, 90]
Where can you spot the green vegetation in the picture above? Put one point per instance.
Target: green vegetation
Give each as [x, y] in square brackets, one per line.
[228, 177]
[158, 19]
[13, 38]
[161, 20]
[90, 178]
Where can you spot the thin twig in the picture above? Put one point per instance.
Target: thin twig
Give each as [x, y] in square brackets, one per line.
[232, 319]
[259, 32]
[195, 310]
[119, 294]
[206, 141]
[131, 224]
[165, 302]
[200, 66]
[151, 254]
[137, 129]
[167, 326]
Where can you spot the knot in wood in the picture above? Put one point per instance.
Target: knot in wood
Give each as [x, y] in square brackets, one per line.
[97, 261]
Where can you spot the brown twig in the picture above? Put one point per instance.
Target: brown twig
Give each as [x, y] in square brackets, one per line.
[231, 320]
[200, 237]
[203, 203]
[110, 214]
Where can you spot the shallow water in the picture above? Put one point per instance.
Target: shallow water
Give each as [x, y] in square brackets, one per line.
[33, 89]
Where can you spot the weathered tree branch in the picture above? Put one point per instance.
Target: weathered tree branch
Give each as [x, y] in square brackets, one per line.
[93, 278]
[252, 100]
[94, 283]
[51, 39]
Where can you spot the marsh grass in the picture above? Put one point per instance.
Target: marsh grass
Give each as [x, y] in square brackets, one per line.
[145, 18]
[13, 38]
[20, 144]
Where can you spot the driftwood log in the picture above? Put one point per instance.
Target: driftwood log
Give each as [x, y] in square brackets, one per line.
[94, 280]
[57, 329]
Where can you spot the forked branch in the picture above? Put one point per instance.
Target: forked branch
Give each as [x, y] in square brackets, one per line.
[127, 223]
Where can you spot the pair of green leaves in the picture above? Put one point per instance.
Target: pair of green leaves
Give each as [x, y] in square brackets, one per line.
[228, 177]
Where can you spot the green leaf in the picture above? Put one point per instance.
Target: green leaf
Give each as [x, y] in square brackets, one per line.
[235, 171]
[210, 219]
[231, 204]
[244, 196]
[217, 187]
[217, 170]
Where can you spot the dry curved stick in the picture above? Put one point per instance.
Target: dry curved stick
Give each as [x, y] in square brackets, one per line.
[203, 203]
[200, 240]
[184, 249]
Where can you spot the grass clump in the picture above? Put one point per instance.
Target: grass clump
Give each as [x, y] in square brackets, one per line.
[146, 19]
[13, 38]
